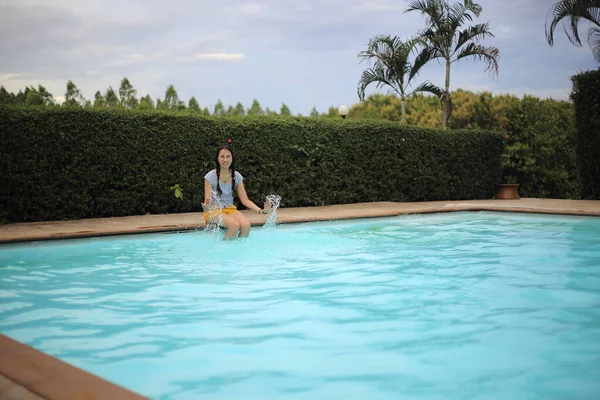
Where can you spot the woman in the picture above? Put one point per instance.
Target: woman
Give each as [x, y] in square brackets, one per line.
[219, 187]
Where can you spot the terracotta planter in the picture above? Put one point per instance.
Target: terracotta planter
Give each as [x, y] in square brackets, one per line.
[507, 191]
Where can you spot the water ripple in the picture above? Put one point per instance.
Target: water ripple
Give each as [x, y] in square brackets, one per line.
[464, 305]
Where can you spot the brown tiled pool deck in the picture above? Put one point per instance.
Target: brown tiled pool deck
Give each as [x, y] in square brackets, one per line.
[26, 373]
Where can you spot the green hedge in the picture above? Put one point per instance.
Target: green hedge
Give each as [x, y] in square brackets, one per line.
[586, 96]
[79, 163]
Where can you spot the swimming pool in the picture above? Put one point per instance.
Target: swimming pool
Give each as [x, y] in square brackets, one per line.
[452, 306]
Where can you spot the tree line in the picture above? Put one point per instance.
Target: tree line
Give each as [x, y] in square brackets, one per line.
[126, 97]
[470, 109]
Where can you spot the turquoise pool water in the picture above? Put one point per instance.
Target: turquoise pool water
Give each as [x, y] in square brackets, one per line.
[446, 306]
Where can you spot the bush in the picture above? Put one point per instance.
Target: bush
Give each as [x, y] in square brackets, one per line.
[80, 163]
[540, 155]
[586, 96]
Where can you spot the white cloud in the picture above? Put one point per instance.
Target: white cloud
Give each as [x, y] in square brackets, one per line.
[252, 9]
[138, 58]
[24, 80]
[8, 77]
[220, 56]
[504, 31]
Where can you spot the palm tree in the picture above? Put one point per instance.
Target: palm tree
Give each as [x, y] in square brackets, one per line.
[445, 39]
[574, 11]
[392, 67]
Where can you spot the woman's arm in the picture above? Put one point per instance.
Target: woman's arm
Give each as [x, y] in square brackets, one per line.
[207, 195]
[243, 196]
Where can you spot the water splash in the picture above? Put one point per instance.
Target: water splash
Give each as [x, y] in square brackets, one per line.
[215, 220]
[273, 201]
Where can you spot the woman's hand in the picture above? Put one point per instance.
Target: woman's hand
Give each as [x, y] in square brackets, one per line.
[267, 207]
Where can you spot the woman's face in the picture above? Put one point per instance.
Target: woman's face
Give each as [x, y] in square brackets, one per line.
[225, 159]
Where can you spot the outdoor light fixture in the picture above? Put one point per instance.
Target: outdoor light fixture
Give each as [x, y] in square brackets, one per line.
[343, 110]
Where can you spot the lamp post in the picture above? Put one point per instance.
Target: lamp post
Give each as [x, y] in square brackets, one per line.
[343, 110]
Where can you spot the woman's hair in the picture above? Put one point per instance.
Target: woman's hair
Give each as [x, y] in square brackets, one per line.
[232, 168]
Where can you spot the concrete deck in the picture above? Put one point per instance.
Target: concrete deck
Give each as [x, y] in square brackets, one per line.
[30, 231]
[26, 373]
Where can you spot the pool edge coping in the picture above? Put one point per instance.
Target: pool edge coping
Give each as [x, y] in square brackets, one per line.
[51, 378]
[186, 227]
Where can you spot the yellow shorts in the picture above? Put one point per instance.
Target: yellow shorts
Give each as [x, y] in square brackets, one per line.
[215, 214]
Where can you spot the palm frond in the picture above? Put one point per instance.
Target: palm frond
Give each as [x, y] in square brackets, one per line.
[461, 13]
[473, 33]
[433, 10]
[594, 42]
[489, 55]
[381, 77]
[594, 13]
[428, 87]
[368, 77]
[418, 5]
[572, 11]
[458, 15]
[391, 53]
[473, 7]
[425, 55]
[433, 38]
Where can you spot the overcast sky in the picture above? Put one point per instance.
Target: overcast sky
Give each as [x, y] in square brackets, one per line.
[302, 53]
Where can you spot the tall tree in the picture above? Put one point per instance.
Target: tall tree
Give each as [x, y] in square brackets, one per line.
[5, 96]
[314, 113]
[446, 38]
[285, 111]
[255, 108]
[392, 67]
[146, 103]
[127, 94]
[21, 97]
[573, 11]
[73, 96]
[193, 105]
[39, 97]
[99, 101]
[239, 110]
[171, 98]
[110, 98]
[219, 109]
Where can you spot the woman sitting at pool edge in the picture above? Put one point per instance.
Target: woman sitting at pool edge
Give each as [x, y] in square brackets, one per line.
[222, 182]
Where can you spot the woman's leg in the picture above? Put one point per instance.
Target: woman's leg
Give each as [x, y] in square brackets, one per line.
[233, 227]
[242, 222]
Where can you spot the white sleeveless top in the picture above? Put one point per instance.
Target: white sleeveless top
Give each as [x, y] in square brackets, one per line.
[226, 198]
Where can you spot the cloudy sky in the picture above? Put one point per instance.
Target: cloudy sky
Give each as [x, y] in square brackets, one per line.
[302, 53]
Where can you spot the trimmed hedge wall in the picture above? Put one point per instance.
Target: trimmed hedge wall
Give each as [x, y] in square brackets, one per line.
[80, 163]
[586, 96]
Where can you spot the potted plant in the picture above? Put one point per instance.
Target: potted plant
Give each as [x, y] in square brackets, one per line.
[508, 188]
